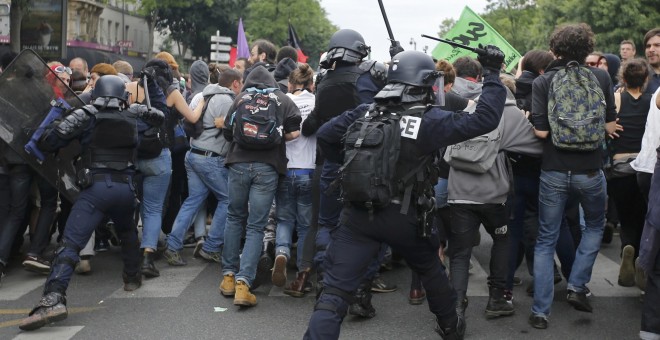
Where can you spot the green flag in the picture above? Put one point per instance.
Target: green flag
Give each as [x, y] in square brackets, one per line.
[471, 30]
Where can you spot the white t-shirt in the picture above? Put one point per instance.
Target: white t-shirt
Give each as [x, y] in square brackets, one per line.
[301, 151]
[645, 161]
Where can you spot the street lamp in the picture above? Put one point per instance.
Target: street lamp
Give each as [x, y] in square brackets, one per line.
[413, 43]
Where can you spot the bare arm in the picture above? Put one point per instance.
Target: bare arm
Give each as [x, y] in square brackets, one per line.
[291, 135]
[541, 134]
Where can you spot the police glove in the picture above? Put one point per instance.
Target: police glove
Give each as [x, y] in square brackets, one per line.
[72, 123]
[395, 48]
[153, 117]
[492, 59]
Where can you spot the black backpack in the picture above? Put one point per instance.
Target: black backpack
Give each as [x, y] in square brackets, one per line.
[194, 130]
[254, 123]
[372, 145]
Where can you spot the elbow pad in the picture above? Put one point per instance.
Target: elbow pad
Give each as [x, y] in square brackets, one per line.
[152, 116]
[74, 122]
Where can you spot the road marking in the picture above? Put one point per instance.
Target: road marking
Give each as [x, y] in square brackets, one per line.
[16, 322]
[50, 333]
[171, 283]
[19, 283]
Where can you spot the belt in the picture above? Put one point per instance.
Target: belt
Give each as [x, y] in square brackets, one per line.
[118, 178]
[299, 172]
[204, 153]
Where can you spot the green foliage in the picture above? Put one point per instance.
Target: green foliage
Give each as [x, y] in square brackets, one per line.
[269, 19]
[445, 26]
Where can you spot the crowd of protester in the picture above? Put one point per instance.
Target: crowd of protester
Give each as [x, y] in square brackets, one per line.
[276, 208]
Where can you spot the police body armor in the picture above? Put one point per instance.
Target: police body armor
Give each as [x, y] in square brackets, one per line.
[338, 92]
[113, 143]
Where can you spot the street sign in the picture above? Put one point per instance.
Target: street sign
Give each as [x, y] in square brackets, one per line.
[220, 39]
[219, 56]
[220, 48]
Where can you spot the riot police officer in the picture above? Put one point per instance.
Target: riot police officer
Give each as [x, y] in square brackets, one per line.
[108, 133]
[361, 231]
[348, 82]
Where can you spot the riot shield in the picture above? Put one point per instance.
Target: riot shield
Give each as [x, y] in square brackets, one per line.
[31, 93]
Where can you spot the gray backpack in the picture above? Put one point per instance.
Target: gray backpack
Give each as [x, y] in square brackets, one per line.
[475, 155]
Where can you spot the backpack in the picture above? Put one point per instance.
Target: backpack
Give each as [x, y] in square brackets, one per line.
[576, 109]
[254, 122]
[194, 130]
[372, 146]
[475, 155]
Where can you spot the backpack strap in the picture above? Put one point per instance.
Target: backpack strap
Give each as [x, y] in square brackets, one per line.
[207, 100]
[418, 171]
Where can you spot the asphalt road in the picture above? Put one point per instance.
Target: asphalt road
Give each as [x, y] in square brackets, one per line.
[184, 303]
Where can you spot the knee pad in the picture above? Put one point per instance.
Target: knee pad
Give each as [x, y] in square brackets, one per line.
[333, 303]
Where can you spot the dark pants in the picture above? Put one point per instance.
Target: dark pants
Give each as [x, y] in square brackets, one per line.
[20, 178]
[41, 234]
[354, 246]
[465, 221]
[178, 187]
[631, 206]
[329, 210]
[651, 307]
[523, 224]
[114, 199]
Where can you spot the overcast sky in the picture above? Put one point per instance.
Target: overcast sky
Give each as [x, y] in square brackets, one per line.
[408, 19]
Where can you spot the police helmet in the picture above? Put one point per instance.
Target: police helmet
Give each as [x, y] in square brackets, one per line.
[412, 68]
[347, 45]
[110, 86]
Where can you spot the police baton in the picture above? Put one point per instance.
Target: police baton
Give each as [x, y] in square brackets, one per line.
[146, 92]
[387, 22]
[476, 50]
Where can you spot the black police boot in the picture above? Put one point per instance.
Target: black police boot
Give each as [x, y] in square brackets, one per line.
[498, 305]
[149, 269]
[362, 306]
[51, 308]
[456, 332]
[132, 282]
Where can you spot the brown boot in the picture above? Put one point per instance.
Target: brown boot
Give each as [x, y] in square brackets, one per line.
[297, 286]
[243, 297]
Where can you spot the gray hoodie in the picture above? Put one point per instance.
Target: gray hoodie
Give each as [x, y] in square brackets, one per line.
[211, 138]
[493, 186]
[466, 89]
[199, 77]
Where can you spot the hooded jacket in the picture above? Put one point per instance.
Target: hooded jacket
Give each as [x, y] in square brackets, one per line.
[613, 65]
[218, 106]
[287, 113]
[282, 72]
[199, 77]
[492, 187]
[466, 89]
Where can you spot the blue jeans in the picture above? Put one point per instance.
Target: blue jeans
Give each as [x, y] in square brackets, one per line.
[157, 173]
[255, 183]
[204, 174]
[293, 209]
[555, 189]
[441, 193]
[20, 178]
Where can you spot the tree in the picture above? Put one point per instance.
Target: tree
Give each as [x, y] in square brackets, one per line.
[18, 9]
[269, 19]
[446, 25]
[149, 9]
[511, 19]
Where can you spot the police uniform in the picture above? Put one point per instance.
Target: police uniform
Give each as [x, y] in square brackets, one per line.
[347, 83]
[361, 231]
[108, 132]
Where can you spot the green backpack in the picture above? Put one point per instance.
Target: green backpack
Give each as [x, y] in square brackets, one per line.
[576, 109]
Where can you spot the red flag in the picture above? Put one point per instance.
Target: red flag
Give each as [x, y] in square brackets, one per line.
[232, 56]
[293, 42]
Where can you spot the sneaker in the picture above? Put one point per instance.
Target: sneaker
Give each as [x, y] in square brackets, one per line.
[51, 308]
[378, 285]
[228, 285]
[538, 321]
[190, 241]
[198, 247]
[83, 267]
[627, 269]
[508, 295]
[243, 297]
[279, 271]
[174, 258]
[36, 264]
[101, 245]
[579, 301]
[640, 276]
[210, 256]
[264, 266]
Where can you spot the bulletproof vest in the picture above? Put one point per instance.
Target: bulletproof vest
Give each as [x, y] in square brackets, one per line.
[416, 173]
[113, 143]
[337, 92]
